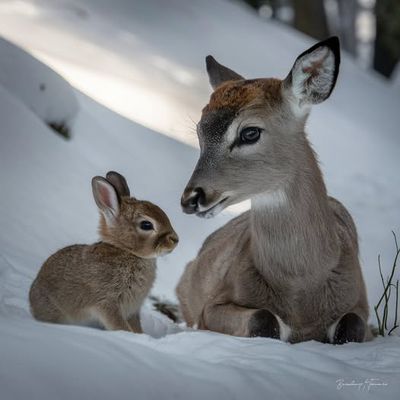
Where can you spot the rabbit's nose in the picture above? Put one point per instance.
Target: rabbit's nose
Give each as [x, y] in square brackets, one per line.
[172, 239]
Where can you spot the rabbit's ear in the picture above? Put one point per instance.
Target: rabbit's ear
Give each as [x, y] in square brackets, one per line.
[119, 182]
[106, 198]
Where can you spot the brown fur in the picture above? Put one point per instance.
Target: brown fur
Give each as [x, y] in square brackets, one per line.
[105, 282]
[239, 94]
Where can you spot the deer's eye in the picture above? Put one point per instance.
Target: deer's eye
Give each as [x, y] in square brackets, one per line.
[249, 135]
[146, 226]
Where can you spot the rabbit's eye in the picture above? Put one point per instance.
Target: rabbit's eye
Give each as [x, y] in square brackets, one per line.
[146, 226]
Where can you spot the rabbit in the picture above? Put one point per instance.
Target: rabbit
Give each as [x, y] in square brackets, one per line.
[106, 282]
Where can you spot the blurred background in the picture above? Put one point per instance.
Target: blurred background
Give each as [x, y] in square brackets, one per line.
[369, 29]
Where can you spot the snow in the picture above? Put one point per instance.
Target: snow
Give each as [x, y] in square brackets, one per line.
[36, 85]
[140, 65]
[189, 365]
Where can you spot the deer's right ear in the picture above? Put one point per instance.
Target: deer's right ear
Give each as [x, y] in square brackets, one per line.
[217, 73]
[106, 198]
[313, 75]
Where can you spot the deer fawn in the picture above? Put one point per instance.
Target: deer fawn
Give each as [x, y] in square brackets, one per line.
[288, 268]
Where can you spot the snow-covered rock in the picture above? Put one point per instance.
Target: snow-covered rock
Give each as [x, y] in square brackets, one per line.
[36, 85]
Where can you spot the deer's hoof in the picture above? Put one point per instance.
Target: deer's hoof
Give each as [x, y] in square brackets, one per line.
[351, 328]
[263, 323]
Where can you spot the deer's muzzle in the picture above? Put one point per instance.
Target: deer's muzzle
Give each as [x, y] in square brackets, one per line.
[191, 200]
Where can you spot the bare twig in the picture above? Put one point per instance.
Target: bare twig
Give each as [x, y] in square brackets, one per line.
[382, 315]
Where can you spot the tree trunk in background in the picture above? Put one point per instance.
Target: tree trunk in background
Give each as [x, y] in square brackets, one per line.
[256, 4]
[387, 42]
[274, 6]
[347, 25]
[310, 18]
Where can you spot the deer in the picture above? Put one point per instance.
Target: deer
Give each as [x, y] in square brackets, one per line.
[288, 268]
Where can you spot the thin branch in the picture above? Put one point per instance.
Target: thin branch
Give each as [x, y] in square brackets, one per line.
[386, 308]
[395, 326]
[395, 241]
[387, 291]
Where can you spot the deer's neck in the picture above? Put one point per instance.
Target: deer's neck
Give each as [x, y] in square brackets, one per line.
[292, 228]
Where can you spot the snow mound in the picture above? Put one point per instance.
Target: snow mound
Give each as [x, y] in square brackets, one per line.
[41, 89]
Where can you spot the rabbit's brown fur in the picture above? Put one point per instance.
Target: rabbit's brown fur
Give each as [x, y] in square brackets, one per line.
[105, 282]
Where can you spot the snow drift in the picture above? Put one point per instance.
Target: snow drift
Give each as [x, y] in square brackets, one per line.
[37, 86]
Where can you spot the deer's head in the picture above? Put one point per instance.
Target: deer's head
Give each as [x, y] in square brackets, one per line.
[251, 133]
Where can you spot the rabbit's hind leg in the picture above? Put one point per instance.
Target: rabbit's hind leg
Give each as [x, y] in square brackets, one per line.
[44, 309]
[134, 322]
[112, 319]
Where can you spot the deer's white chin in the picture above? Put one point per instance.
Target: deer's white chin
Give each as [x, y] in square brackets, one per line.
[214, 209]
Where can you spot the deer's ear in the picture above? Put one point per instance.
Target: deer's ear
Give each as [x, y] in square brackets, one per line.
[314, 74]
[217, 73]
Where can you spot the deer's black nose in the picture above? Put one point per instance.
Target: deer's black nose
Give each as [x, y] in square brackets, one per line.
[191, 199]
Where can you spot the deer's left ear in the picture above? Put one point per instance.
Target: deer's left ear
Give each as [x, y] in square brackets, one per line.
[218, 73]
[314, 74]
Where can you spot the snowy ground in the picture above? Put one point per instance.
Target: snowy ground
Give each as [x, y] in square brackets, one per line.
[144, 62]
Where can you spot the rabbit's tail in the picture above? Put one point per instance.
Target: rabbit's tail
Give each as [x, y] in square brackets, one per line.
[171, 310]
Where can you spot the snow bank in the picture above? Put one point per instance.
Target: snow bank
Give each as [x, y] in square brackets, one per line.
[41, 89]
[56, 362]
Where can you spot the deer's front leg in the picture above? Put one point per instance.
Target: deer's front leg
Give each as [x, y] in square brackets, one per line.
[235, 320]
[349, 328]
